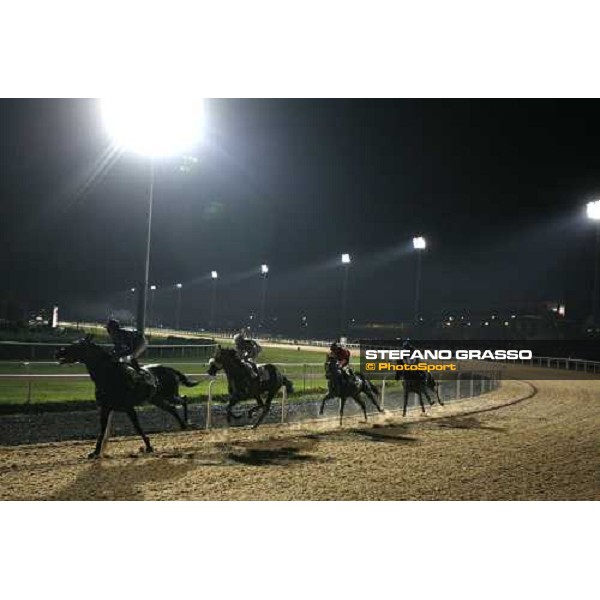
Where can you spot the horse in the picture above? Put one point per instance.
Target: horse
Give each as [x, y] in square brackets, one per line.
[118, 390]
[242, 386]
[418, 382]
[343, 387]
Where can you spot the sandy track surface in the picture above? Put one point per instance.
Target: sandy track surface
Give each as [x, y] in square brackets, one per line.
[528, 440]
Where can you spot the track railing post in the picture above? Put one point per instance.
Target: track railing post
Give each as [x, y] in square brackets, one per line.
[29, 382]
[209, 402]
[283, 401]
[383, 384]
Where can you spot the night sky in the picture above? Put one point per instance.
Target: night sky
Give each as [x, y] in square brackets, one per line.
[497, 187]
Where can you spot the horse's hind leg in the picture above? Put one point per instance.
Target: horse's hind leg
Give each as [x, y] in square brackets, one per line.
[431, 402]
[169, 408]
[104, 414]
[362, 404]
[437, 393]
[420, 395]
[138, 428]
[405, 402]
[373, 399]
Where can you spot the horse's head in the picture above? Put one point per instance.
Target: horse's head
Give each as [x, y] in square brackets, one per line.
[78, 351]
[222, 358]
[330, 364]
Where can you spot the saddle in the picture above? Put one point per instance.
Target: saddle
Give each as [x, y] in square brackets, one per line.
[143, 377]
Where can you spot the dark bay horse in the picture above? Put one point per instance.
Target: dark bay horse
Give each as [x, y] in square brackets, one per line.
[419, 383]
[242, 386]
[116, 390]
[344, 387]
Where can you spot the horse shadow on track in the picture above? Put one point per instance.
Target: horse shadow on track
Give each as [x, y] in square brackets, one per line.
[272, 452]
[389, 434]
[466, 423]
[105, 481]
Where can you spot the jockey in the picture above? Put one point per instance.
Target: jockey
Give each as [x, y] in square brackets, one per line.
[129, 345]
[341, 354]
[342, 357]
[248, 351]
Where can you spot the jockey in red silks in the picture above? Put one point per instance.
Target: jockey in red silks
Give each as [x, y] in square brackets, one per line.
[341, 354]
[342, 357]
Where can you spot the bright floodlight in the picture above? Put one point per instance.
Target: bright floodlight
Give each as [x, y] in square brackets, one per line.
[264, 269]
[153, 287]
[154, 126]
[214, 274]
[419, 243]
[593, 210]
[345, 259]
[178, 285]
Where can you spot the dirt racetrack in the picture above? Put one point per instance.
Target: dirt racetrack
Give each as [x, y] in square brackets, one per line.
[546, 445]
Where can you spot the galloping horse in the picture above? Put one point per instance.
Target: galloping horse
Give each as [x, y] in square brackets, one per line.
[418, 382]
[244, 387]
[343, 387]
[117, 390]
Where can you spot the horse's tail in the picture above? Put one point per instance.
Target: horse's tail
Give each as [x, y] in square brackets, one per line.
[184, 378]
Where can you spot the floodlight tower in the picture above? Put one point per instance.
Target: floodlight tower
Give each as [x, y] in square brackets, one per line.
[420, 245]
[264, 273]
[132, 304]
[593, 213]
[213, 301]
[179, 287]
[152, 127]
[153, 292]
[346, 262]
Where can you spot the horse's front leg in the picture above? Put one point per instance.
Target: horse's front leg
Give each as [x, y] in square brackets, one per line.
[342, 404]
[265, 410]
[259, 404]
[104, 415]
[327, 396]
[233, 400]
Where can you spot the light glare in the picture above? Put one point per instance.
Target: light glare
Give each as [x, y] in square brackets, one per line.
[419, 243]
[214, 274]
[264, 269]
[154, 126]
[593, 210]
[345, 259]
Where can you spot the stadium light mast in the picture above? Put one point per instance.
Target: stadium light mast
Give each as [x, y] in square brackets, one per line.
[264, 273]
[132, 305]
[346, 262]
[593, 214]
[179, 287]
[152, 127]
[420, 245]
[213, 301]
[153, 292]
